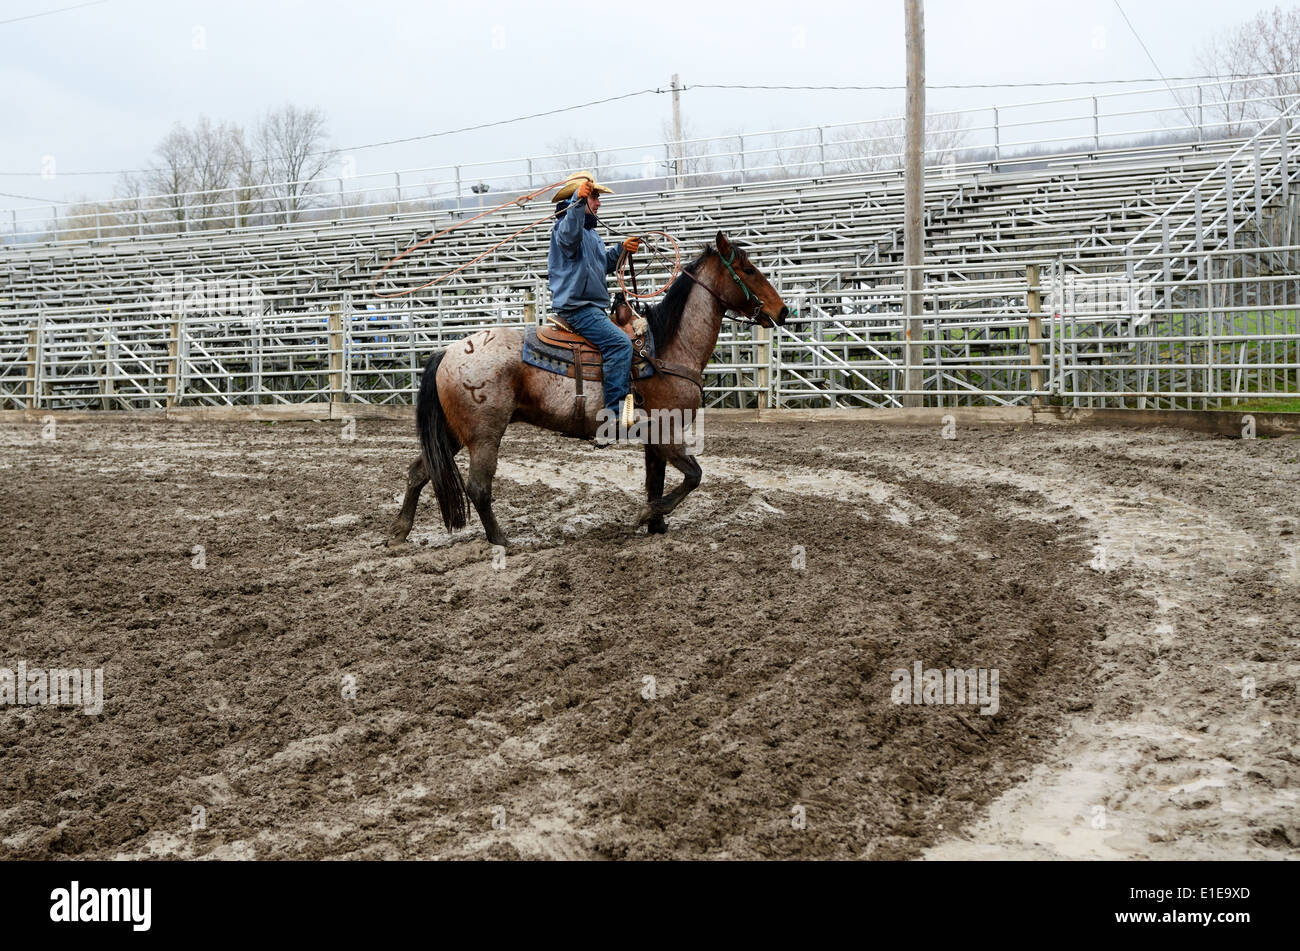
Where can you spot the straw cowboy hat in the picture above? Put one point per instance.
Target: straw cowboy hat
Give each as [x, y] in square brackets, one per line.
[571, 185]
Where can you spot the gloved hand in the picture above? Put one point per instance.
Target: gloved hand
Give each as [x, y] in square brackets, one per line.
[632, 245]
[584, 189]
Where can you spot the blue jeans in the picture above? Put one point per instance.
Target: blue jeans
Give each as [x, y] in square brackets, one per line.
[615, 350]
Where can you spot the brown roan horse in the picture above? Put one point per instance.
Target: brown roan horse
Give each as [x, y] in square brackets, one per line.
[480, 385]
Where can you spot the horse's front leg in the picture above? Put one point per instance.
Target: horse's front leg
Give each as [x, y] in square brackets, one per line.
[654, 486]
[691, 472]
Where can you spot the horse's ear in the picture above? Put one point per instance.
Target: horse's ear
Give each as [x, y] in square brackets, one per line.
[723, 245]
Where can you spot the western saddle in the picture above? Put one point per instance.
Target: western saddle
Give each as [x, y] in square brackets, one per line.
[586, 364]
[587, 361]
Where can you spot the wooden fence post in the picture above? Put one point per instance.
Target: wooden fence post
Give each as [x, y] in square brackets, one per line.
[336, 355]
[33, 365]
[763, 357]
[1035, 301]
[174, 361]
[107, 382]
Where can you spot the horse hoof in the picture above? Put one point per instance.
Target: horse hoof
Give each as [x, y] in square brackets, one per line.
[657, 526]
[647, 515]
[395, 541]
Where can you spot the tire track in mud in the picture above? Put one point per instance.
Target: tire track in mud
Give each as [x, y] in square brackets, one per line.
[1175, 761]
[499, 710]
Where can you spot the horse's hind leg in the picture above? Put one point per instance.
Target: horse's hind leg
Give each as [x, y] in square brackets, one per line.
[691, 472]
[482, 468]
[654, 487]
[415, 481]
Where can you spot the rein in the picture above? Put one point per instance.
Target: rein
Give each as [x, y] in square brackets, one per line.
[684, 372]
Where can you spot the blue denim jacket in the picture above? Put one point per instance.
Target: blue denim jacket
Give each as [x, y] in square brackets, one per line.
[578, 262]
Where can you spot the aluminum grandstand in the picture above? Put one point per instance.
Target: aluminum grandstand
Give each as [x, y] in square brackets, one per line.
[1100, 273]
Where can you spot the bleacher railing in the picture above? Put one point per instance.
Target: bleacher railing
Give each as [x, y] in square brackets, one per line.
[1203, 314]
[985, 137]
[991, 336]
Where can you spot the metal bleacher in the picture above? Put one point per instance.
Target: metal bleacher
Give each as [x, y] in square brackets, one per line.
[286, 313]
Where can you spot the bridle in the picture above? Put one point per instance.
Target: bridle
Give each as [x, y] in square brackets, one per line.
[748, 312]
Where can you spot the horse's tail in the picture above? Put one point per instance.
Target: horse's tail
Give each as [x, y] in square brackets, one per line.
[439, 447]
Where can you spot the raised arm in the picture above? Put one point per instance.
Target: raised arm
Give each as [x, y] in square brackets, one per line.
[569, 229]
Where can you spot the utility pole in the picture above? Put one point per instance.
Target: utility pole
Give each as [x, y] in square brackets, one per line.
[679, 168]
[914, 204]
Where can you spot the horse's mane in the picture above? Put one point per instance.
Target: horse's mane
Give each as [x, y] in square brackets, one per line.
[666, 316]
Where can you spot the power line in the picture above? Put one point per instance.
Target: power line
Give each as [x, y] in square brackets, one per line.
[375, 145]
[660, 91]
[1153, 60]
[488, 125]
[1034, 85]
[45, 13]
[32, 198]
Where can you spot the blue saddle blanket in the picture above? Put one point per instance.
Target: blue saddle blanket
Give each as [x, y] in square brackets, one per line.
[544, 356]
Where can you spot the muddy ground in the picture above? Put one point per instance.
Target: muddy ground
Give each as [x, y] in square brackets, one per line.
[722, 691]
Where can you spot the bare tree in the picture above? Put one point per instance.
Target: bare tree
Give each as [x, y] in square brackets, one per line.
[1255, 64]
[703, 162]
[248, 177]
[573, 153]
[729, 158]
[172, 177]
[129, 197]
[878, 146]
[292, 143]
[1228, 101]
[788, 155]
[867, 146]
[945, 134]
[213, 176]
[1273, 40]
[212, 166]
[95, 219]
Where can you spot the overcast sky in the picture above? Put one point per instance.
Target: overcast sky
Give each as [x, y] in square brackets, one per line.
[96, 88]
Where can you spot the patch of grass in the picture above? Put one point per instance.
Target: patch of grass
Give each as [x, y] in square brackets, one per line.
[1267, 405]
[1266, 322]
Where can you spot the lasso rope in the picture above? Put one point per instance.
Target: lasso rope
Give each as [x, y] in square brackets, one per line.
[520, 202]
[672, 276]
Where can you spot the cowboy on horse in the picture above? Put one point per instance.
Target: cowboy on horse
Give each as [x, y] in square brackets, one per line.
[478, 386]
[577, 264]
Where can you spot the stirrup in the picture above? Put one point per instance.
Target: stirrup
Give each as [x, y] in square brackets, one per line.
[628, 418]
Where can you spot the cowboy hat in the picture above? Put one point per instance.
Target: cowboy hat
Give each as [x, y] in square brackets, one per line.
[571, 185]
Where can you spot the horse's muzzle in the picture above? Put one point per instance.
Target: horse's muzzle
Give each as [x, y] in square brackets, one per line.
[767, 320]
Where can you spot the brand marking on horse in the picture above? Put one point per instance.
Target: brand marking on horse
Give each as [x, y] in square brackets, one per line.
[695, 320]
[469, 341]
